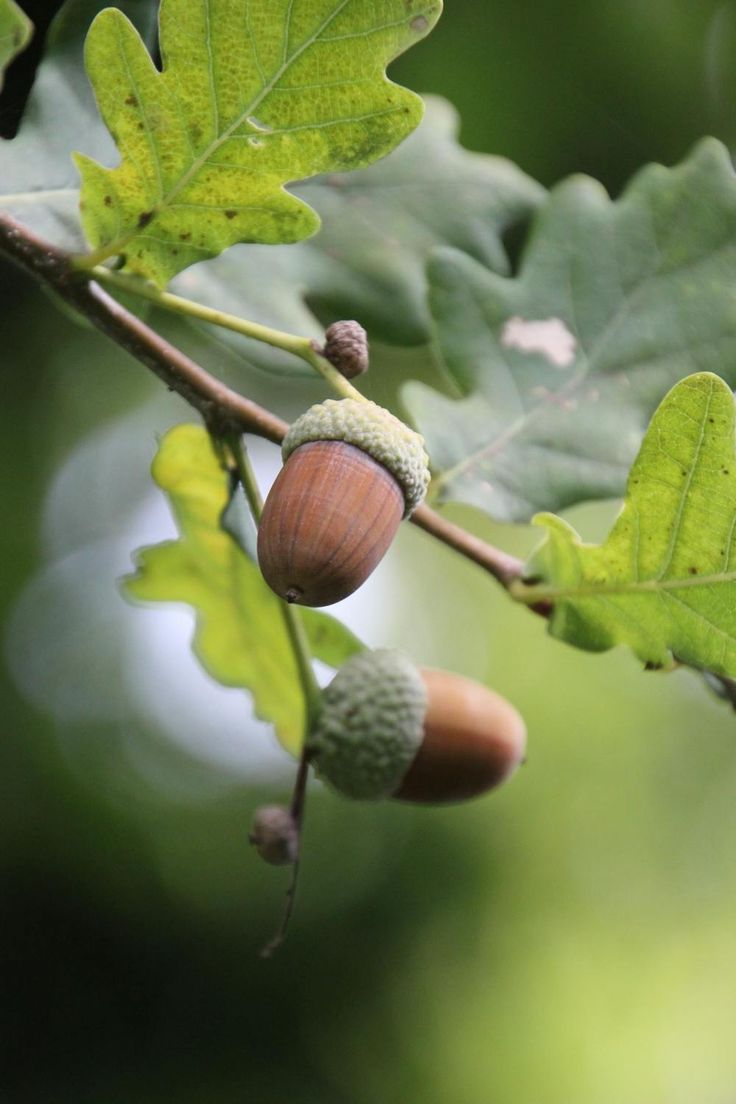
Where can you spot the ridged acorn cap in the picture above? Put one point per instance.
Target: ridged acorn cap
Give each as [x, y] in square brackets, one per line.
[374, 430]
[371, 725]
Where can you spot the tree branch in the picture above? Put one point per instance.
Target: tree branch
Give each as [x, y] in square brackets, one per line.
[223, 410]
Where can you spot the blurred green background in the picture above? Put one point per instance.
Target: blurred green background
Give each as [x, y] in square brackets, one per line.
[569, 940]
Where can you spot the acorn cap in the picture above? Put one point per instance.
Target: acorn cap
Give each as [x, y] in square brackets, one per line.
[374, 430]
[371, 725]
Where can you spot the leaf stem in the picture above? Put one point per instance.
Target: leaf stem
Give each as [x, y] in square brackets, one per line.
[296, 808]
[301, 347]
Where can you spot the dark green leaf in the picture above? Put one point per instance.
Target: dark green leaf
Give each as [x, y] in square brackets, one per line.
[555, 373]
[379, 225]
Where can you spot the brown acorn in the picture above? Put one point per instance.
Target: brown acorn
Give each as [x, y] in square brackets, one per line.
[351, 472]
[390, 729]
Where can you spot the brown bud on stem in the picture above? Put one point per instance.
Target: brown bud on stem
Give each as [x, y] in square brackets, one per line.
[275, 835]
[346, 347]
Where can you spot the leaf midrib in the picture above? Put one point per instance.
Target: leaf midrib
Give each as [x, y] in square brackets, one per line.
[116, 246]
[531, 593]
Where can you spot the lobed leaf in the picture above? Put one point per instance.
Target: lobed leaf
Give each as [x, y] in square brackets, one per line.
[664, 581]
[379, 226]
[555, 373]
[252, 94]
[39, 184]
[16, 30]
[240, 638]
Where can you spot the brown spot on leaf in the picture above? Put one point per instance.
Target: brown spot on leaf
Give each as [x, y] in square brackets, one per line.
[144, 218]
[185, 237]
[131, 100]
[107, 201]
[230, 214]
[693, 570]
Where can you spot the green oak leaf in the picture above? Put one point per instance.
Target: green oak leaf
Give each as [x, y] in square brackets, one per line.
[15, 33]
[253, 94]
[379, 225]
[664, 581]
[39, 184]
[555, 373]
[240, 638]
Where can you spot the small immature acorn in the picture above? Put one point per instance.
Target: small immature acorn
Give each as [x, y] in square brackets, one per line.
[390, 729]
[346, 347]
[351, 472]
[275, 835]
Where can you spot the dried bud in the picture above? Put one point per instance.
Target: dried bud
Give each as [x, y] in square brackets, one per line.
[275, 835]
[346, 346]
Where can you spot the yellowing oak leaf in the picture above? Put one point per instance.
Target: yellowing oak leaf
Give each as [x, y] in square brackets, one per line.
[252, 94]
[241, 637]
[664, 581]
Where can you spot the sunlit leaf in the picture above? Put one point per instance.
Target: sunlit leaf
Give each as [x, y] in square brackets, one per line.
[253, 94]
[554, 374]
[379, 225]
[664, 581]
[15, 33]
[240, 638]
[39, 184]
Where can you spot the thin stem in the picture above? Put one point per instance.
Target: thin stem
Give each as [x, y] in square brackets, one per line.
[297, 807]
[501, 565]
[310, 688]
[290, 343]
[224, 410]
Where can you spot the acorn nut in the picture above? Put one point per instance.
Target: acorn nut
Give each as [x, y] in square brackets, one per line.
[351, 472]
[390, 729]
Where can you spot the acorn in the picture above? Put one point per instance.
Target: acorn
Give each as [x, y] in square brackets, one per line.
[351, 472]
[390, 729]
